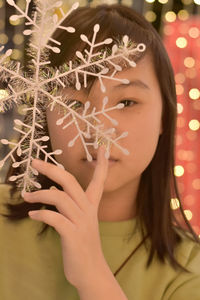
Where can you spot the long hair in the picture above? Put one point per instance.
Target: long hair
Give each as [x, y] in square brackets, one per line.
[158, 182]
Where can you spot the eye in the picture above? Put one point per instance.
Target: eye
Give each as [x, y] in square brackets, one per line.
[77, 104]
[128, 102]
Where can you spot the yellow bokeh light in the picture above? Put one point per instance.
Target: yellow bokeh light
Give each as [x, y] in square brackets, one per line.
[194, 125]
[174, 203]
[181, 42]
[16, 54]
[197, 2]
[18, 38]
[194, 94]
[189, 62]
[188, 214]
[3, 38]
[183, 15]
[150, 16]
[163, 1]
[150, 1]
[179, 108]
[170, 16]
[178, 171]
[194, 32]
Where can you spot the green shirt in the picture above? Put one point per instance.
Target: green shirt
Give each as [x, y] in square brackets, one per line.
[31, 268]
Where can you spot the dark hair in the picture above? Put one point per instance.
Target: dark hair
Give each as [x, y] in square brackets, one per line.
[158, 182]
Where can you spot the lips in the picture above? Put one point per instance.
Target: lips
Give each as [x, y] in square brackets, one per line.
[111, 158]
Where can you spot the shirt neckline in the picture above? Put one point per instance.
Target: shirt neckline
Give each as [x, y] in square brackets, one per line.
[118, 228]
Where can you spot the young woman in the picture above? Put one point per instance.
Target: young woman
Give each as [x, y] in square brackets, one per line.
[111, 231]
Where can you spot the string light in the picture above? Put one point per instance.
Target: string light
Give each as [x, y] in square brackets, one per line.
[181, 42]
[188, 214]
[18, 39]
[194, 94]
[183, 15]
[150, 1]
[194, 32]
[179, 78]
[196, 184]
[194, 125]
[170, 16]
[179, 89]
[163, 1]
[3, 38]
[197, 2]
[189, 62]
[174, 203]
[150, 16]
[178, 171]
[179, 108]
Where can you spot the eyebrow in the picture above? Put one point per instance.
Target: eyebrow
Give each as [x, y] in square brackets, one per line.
[134, 83]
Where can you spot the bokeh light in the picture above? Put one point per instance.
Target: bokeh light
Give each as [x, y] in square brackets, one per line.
[181, 42]
[194, 32]
[194, 93]
[150, 16]
[179, 89]
[194, 125]
[3, 38]
[170, 16]
[188, 214]
[18, 39]
[179, 108]
[178, 171]
[183, 15]
[196, 184]
[189, 62]
[174, 203]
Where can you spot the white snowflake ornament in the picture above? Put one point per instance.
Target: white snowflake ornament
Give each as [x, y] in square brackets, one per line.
[42, 88]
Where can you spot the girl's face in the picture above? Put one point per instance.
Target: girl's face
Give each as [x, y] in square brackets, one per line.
[141, 117]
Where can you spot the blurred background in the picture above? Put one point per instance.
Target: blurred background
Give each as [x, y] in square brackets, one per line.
[178, 23]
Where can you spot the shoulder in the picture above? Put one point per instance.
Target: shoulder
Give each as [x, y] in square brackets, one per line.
[186, 285]
[188, 250]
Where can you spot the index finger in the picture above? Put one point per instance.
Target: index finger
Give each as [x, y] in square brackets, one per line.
[95, 188]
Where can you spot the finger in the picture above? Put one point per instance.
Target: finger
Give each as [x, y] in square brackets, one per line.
[65, 179]
[61, 224]
[96, 186]
[64, 204]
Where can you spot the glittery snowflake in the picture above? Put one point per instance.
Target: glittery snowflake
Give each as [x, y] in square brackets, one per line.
[39, 88]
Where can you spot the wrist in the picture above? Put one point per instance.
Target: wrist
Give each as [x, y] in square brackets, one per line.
[100, 285]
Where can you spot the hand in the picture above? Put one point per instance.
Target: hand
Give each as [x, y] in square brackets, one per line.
[77, 220]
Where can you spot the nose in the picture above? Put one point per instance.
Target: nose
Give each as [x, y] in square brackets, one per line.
[100, 131]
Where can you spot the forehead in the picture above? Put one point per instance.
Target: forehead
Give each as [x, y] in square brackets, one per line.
[139, 77]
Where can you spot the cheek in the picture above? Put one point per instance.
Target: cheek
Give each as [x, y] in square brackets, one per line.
[142, 142]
